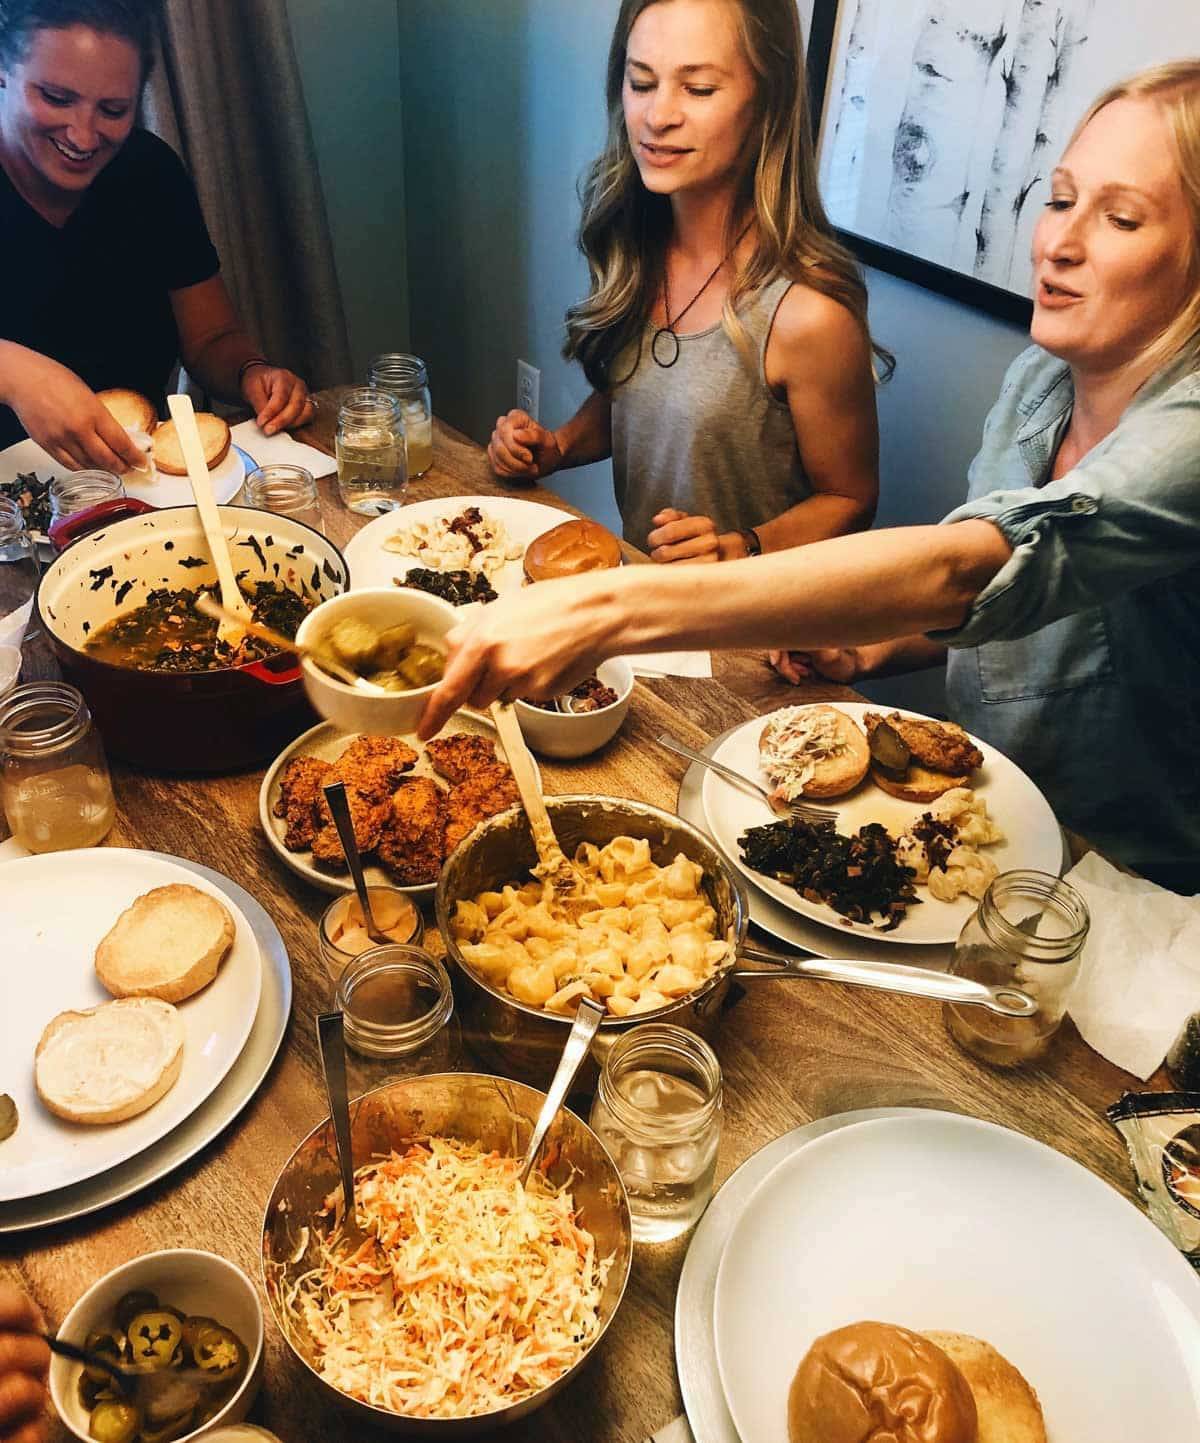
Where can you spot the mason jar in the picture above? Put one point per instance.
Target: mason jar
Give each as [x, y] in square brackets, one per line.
[18, 575]
[658, 1112]
[287, 491]
[81, 490]
[55, 784]
[1027, 932]
[406, 378]
[341, 930]
[372, 472]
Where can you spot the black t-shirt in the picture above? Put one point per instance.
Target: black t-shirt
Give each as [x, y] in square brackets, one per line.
[94, 293]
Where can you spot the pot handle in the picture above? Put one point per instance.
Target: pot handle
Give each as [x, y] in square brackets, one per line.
[890, 977]
[70, 528]
[261, 671]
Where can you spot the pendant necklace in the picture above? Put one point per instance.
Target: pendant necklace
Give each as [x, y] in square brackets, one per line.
[665, 343]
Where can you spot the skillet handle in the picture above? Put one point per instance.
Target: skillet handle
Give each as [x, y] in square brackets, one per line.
[262, 671]
[70, 528]
[890, 977]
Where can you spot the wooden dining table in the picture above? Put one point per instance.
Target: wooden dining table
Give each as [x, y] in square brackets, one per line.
[789, 1055]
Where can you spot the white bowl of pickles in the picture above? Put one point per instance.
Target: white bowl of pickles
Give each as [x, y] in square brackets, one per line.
[188, 1312]
[374, 656]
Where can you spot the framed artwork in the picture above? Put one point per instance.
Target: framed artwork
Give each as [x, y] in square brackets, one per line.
[941, 122]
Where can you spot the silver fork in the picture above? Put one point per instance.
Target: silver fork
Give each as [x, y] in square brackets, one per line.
[801, 810]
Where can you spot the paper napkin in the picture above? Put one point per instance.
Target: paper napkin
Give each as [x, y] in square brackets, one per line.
[671, 663]
[1140, 977]
[280, 449]
[677, 1431]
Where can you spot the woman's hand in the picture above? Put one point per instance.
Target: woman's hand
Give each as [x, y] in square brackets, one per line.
[24, 1360]
[279, 398]
[521, 447]
[841, 664]
[680, 537]
[64, 416]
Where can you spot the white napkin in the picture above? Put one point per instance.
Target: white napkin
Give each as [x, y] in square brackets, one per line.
[1140, 978]
[676, 1431]
[671, 663]
[280, 449]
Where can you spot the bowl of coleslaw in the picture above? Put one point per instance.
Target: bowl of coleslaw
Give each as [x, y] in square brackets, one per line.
[476, 1300]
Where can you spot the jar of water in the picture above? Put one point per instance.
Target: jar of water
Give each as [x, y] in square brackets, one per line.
[658, 1111]
[372, 477]
[406, 378]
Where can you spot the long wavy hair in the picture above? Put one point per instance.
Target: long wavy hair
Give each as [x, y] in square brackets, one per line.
[1175, 89]
[624, 228]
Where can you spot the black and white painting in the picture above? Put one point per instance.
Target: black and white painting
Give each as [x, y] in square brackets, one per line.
[944, 119]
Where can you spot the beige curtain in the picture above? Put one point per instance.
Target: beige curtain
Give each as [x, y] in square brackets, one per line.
[227, 96]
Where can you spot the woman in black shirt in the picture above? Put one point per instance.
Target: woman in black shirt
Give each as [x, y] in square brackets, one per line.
[108, 275]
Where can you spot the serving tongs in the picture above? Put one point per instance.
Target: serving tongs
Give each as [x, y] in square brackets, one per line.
[184, 416]
[553, 865]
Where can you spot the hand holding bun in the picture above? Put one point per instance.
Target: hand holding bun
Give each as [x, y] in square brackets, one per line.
[570, 549]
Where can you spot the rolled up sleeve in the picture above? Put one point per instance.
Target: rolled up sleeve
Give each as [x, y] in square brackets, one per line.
[1126, 516]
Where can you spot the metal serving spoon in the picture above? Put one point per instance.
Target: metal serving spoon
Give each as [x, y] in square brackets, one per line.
[588, 1017]
[335, 795]
[332, 1040]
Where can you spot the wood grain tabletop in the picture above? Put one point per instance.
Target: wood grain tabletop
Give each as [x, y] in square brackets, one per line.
[789, 1054]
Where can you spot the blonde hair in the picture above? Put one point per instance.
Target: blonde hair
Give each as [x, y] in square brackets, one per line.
[624, 228]
[1175, 89]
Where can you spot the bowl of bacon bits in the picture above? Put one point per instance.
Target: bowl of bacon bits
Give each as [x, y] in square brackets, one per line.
[582, 720]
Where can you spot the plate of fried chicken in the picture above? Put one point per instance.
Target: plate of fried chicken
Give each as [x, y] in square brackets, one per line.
[411, 802]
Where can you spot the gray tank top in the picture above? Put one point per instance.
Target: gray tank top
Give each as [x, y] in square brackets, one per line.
[705, 435]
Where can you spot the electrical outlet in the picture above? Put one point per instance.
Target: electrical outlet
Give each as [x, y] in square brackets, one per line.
[529, 386]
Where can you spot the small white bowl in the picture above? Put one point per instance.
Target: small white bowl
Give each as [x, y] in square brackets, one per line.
[575, 734]
[196, 1283]
[382, 713]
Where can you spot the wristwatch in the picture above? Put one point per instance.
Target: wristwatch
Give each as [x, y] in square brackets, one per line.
[753, 544]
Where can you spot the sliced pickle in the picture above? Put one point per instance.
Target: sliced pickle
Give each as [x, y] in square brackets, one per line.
[889, 752]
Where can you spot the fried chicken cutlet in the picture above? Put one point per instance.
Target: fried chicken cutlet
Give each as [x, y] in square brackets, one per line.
[462, 756]
[412, 842]
[300, 785]
[941, 746]
[367, 818]
[374, 766]
[489, 791]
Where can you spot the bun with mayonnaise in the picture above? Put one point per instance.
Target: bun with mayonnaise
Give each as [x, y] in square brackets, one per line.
[110, 1062]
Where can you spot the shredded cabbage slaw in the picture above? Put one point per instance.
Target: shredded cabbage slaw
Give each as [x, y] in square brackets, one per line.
[471, 1294]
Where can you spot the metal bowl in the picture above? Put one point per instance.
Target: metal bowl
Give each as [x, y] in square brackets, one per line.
[527, 1041]
[470, 1107]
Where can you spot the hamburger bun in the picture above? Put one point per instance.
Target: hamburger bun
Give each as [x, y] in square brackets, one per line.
[110, 1062]
[129, 409]
[1008, 1408]
[852, 1384]
[919, 784]
[572, 548]
[168, 453]
[168, 944]
[813, 751]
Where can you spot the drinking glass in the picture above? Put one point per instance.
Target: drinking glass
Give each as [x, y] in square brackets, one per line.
[406, 378]
[287, 491]
[372, 474]
[1027, 932]
[82, 489]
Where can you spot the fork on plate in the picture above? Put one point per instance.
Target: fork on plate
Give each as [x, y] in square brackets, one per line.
[803, 811]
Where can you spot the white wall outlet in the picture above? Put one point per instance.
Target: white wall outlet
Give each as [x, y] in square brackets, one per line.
[529, 386]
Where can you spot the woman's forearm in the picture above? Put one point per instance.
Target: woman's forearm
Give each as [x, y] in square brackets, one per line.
[819, 517]
[587, 436]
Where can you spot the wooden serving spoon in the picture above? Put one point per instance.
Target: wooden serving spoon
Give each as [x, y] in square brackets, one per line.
[228, 631]
[552, 862]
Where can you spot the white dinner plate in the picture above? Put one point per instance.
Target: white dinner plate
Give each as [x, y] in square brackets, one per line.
[371, 565]
[164, 490]
[56, 908]
[1032, 839]
[940, 1222]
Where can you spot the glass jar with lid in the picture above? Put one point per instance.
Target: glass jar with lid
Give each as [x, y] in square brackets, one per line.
[1027, 932]
[55, 784]
[658, 1111]
[18, 575]
[399, 1019]
[406, 378]
[369, 442]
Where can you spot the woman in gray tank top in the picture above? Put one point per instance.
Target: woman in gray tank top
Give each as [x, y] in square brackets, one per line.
[725, 332]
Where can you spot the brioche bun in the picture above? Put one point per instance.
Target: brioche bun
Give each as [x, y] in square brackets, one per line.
[919, 784]
[877, 1383]
[215, 438]
[110, 1062]
[168, 944]
[832, 776]
[129, 409]
[1008, 1408]
[572, 548]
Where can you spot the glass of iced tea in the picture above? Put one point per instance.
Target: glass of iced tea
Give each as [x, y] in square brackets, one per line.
[372, 472]
[406, 378]
[1027, 932]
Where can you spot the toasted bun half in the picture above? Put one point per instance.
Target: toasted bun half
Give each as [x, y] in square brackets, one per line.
[168, 944]
[831, 776]
[570, 549]
[129, 409]
[1008, 1408]
[920, 784]
[110, 1062]
[168, 453]
[848, 1383]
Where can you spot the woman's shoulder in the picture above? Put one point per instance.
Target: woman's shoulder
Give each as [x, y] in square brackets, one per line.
[808, 318]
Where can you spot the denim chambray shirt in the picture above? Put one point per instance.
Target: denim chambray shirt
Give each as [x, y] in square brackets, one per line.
[1081, 658]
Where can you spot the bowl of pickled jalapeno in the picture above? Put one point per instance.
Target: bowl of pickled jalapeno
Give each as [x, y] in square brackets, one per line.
[393, 641]
[190, 1318]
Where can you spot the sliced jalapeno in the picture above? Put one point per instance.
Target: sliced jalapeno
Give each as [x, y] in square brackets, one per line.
[114, 1422]
[109, 1343]
[154, 1339]
[140, 1301]
[193, 1325]
[218, 1351]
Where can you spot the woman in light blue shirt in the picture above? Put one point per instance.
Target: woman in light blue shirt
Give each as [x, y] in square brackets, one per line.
[1067, 587]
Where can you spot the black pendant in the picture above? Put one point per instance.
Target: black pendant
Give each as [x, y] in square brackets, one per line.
[669, 352]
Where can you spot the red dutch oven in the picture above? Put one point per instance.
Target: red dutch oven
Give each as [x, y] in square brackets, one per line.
[205, 721]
